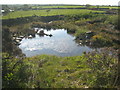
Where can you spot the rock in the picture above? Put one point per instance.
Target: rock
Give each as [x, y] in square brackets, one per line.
[14, 38]
[19, 39]
[21, 36]
[50, 22]
[89, 32]
[42, 29]
[14, 35]
[86, 41]
[17, 42]
[42, 32]
[50, 35]
[36, 29]
[30, 36]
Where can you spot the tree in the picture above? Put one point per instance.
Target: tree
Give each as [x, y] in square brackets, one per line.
[26, 7]
[88, 5]
[98, 6]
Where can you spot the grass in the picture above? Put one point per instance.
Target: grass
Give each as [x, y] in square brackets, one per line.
[52, 12]
[110, 7]
[58, 6]
[45, 71]
[74, 6]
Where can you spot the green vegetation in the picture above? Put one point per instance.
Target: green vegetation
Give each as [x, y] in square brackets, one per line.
[74, 6]
[79, 25]
[52, 12]
[110, 7]
[93, 69]
[44, 71]
[42, 7]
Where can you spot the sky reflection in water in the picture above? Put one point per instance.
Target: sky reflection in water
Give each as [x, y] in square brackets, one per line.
[60, 44]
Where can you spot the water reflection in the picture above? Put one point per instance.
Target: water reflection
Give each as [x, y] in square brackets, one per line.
[54, 42]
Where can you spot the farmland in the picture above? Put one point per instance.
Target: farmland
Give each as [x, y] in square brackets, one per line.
[75, 6]
[58, 6]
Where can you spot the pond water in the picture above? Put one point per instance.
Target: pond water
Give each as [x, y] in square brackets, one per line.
[60, 43]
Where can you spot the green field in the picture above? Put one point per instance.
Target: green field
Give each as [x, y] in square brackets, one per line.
[44, 7]
[110, 7]
[52, 12]
[75, 6]
[57, 6]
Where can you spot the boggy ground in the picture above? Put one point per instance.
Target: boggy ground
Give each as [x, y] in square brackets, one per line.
[90, 29]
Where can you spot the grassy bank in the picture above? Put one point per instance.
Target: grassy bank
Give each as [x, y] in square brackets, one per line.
[44, 71]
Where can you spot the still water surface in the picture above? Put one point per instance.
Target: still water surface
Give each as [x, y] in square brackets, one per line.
[60, 44]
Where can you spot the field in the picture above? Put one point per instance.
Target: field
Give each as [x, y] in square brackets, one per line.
[57, 6]
[52, 12]
[75, 6]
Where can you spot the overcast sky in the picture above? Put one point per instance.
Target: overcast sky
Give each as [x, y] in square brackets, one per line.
[81, 2]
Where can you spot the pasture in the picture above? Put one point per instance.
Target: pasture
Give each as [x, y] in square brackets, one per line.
[74, 6]
[51, 12]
